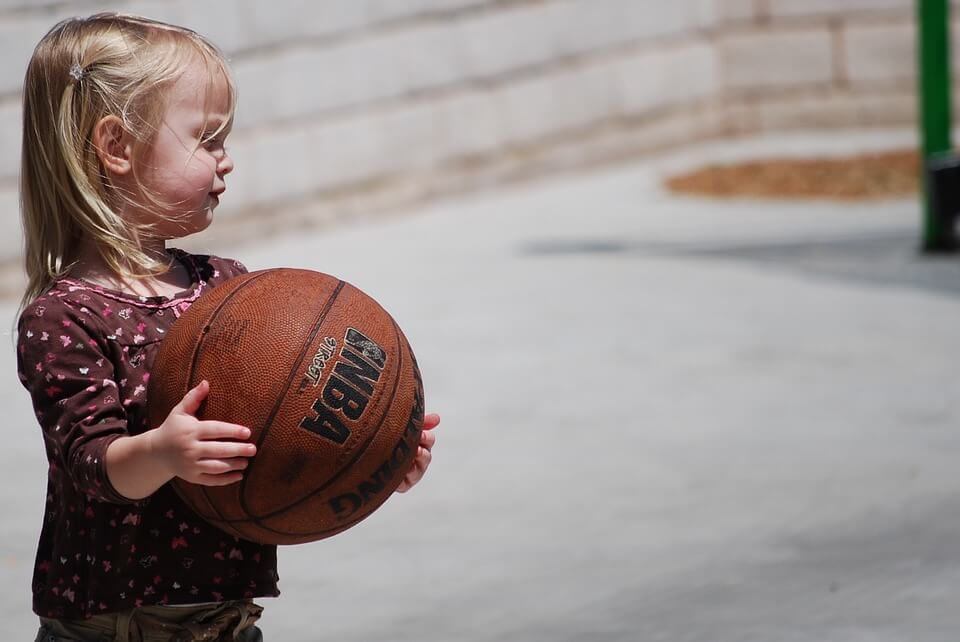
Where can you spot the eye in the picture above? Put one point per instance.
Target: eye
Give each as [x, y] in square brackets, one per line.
[213, 144]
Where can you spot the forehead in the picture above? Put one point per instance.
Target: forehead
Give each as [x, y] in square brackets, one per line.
[201, 92]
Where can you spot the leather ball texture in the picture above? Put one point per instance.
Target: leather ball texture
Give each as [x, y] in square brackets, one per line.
[326, 382]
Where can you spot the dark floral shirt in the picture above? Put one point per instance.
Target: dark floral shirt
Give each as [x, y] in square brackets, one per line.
[84, 353]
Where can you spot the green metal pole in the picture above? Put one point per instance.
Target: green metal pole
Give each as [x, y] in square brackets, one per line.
[935, 110]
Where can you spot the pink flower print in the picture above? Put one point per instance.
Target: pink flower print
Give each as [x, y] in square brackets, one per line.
[106, 311]
[99, 363]
[83, 371]
[70, 595]
[146, 377]
[109, 399]
[183, 526]
[218, 597]
[138, 338]
[53, 391]
[138, 603]
[157, 579]
[141, 326]
[118, 332]
[102, 606]
[38, 367]
[88, 513]
[40, 310]
[178, 542]
[132, 518]
[138, 391]
[66, 323]
[85, 310]
[44, 336]
[235, 554]
[169, 514]
[75, 578]
[125, 313]
[219, 555]
[91, 388]
[107, 566]
[65, 340]
[29, 334]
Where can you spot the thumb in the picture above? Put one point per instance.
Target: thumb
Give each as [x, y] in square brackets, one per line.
[194, 397]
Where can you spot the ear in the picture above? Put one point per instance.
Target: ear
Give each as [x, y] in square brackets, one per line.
[113, 145]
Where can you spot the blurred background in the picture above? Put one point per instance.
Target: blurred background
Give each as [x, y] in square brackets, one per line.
[352, 106]
[660, 263]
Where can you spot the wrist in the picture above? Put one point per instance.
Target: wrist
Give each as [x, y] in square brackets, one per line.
[156, 454]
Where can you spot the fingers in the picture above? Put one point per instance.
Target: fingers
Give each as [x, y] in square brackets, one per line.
[224, 450]
[419, 468]
[221, 466]
[194, 397]
[427, 440]
[222, 430]
[225, 479]
[431, 421]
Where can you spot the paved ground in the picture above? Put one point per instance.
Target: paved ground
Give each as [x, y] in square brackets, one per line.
[663, 419]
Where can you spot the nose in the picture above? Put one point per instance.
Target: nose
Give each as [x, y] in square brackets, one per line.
[225, 164]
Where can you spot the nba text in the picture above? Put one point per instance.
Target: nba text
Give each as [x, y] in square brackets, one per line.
[348, 388]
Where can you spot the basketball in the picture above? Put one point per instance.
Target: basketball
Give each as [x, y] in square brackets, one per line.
[327, 384]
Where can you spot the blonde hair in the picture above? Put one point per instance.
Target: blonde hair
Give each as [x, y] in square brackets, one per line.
[83, 70]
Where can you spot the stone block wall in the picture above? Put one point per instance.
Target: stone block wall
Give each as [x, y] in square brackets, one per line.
[348, 106]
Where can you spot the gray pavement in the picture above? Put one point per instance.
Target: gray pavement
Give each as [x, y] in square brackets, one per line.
[663, 419]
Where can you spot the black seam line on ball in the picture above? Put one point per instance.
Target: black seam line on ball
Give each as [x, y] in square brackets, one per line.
[321, 317]
[196, 358]
[361, 449]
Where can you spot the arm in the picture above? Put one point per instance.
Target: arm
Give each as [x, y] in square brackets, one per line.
[77, 403]
[74, 393]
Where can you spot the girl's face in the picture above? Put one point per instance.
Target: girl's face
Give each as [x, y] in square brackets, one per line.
[185, 166]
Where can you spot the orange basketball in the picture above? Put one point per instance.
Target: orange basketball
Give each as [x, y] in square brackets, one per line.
[326, 382]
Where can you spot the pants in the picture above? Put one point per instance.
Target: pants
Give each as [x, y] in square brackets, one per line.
[227, 621]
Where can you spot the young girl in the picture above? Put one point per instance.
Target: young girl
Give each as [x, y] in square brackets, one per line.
[124, 126]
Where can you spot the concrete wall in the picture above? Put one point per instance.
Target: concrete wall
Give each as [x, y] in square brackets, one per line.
[366, 103]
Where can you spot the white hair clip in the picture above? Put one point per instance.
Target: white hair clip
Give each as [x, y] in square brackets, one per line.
[76, 71]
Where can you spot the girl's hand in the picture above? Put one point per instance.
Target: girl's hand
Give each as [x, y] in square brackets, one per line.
[189, 448]
[423, 457]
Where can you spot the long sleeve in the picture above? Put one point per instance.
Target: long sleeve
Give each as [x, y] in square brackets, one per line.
[74, 391]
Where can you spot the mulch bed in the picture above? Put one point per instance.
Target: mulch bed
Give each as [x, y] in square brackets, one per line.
[861, 177]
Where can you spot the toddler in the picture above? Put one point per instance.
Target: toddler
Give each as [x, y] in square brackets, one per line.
[125, 120]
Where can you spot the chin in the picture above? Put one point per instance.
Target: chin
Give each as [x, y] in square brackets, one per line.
[195, 224]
